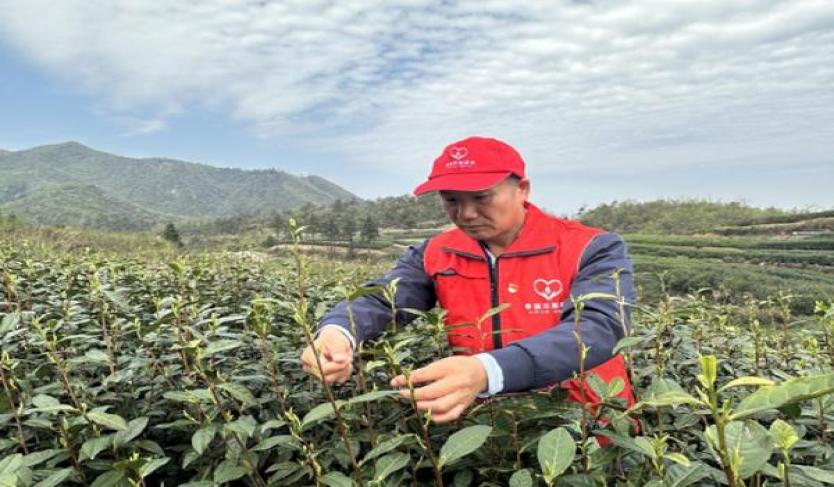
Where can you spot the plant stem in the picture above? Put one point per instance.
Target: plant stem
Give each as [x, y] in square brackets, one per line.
[424, 430]
[578, 306]
[301, 319]
[227, 416]
[13, 404]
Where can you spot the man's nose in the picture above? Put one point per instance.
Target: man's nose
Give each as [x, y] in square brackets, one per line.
[467, 211]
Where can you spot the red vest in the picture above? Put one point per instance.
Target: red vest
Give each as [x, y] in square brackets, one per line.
[532, 277]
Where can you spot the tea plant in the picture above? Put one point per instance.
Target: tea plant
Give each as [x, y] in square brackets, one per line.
[121, 371]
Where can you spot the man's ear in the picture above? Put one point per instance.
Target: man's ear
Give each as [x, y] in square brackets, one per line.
[524, 187]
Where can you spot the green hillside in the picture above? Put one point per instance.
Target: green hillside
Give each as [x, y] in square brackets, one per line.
[81, 205]
[675, 216]
[158, 186]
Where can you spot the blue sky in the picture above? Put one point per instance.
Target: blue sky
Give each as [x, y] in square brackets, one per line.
[605, 100]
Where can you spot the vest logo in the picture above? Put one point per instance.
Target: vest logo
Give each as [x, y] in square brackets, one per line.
[458, 152]
[548, 289]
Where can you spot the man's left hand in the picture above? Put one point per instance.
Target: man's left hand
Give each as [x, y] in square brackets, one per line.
[452, 384]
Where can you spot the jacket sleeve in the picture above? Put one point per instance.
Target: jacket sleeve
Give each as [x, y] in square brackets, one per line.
[552, 355]
[371, 314]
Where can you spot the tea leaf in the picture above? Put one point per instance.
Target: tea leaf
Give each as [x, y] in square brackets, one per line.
[228, 471]
[39, 457]
[9, 323]
[48, 404]
[239, 392]
[791, 391]
[521, 478]
[814, 473]
[201, 439]
[373, 396]
[92, 447]
[182, 396]
[747, 440]
[112, 421]
[134, 429]
[747, 381]
[97, 356]
[678, 458]
[389, 464]
[285, 441]
[336, 479]
[320, 412]
[112, 478]
[56, 478]
[630, 342]
[666, 392]
[555, 452]
[10, 464]
[463, 442]
[221, 346]
[152, 465]
[385, 447]
[680, 476]
[629, 443]
[784, 435]
[463, 478]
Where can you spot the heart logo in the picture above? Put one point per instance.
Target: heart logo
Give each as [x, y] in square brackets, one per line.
[548, 289]
[458, 153]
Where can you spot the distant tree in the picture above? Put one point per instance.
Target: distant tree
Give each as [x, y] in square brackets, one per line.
[279, 223]
[330, 226]
[348, 227]
[369, 230]
[312, 224]
[12, 220]
[172, 235]
[270, 241]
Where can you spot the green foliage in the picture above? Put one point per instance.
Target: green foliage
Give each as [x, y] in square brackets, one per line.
[119, 370]
[171, 234]
[673, 216]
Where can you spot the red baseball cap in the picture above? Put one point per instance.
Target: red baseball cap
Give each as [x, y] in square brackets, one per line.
[473, 164]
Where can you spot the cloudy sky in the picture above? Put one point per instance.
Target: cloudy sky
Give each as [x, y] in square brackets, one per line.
[726, 100]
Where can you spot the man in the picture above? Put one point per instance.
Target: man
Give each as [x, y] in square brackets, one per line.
[503, 251]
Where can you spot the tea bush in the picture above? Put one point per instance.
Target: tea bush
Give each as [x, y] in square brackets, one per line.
[125, 372]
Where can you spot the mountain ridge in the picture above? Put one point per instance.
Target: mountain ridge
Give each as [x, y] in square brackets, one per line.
[162, 186]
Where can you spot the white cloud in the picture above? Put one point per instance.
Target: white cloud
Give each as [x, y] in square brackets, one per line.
[590, 85]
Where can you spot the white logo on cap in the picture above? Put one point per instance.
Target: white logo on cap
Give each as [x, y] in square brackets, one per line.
[459, 160]
[547, 289]
[458, 152]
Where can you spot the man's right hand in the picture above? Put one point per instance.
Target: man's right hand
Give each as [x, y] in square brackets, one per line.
[336, 357]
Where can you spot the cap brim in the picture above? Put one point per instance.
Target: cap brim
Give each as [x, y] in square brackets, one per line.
[462, 182]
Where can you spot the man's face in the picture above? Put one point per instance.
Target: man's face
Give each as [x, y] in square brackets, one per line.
[490, 215]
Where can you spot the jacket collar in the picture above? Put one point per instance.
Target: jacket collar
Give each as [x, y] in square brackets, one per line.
[532, 239]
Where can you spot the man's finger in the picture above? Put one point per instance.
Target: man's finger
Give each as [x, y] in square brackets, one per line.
[435, 390]
[335, 353]
[425, 374]
[440, 405]
[451, 415]
[339, 376]
[327, 367]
